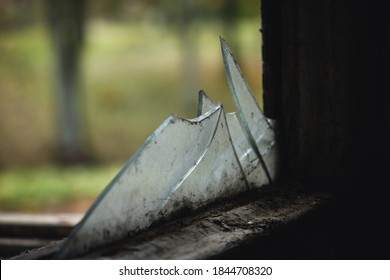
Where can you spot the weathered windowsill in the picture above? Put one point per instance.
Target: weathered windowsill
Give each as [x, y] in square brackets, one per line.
[210, 233]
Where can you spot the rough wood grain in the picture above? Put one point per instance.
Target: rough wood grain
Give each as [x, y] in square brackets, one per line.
[208, 233]
[213, 231]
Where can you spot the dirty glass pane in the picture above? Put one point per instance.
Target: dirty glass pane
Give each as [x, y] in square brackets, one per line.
[249, 161]
[184, 164]
[253, 170]
[218, 174]
[255, 124]
[132, 200]
[164, 176]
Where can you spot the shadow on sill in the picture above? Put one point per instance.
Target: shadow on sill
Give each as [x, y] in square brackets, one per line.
[345, 227]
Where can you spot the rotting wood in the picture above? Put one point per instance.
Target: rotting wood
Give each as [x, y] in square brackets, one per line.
[210, 232]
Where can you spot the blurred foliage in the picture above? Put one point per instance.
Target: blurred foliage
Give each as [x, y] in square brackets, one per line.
[17, 14]
[170, 11]
[132, 80]
[50, 188]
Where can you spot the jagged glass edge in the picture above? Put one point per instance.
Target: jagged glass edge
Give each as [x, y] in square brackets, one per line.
[229, 142]
[201, 117]
[205, 103]
[62, 251]
[226, 54]
[225, 51]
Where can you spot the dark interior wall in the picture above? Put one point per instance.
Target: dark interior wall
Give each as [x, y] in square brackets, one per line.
[326, 81]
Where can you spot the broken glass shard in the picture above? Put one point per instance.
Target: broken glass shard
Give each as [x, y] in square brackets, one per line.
[184, 164]
[249, 161]
[256, 126]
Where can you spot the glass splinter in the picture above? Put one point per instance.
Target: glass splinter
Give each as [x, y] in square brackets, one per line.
[183, 164]
[256, 126]
[250, 163]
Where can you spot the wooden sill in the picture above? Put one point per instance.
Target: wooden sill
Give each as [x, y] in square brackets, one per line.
[209, 233]
[20, 232]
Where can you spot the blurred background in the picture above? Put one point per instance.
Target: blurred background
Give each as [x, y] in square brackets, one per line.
[84, 83]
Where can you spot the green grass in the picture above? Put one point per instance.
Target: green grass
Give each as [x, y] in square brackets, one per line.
[48, 188]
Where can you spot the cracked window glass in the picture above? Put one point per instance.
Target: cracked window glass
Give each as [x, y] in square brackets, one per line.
[184, 164]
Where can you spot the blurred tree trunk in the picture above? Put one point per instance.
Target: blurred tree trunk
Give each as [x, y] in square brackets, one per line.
[189, 58]
[66, 23]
